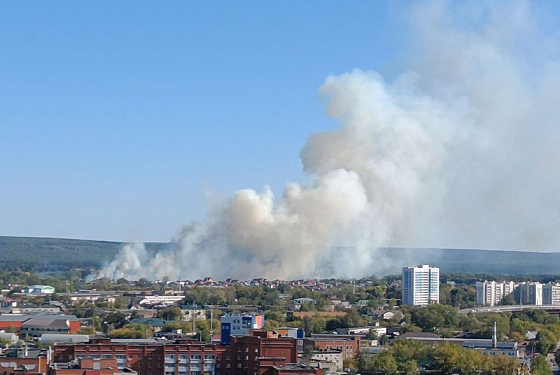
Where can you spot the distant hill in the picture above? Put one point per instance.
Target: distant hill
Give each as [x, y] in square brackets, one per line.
[499, 262]
[44, 254]
[59, 253]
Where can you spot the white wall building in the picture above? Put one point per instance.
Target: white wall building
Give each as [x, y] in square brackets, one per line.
[490, 293]
[420, 285]
[551, 294]
[332, 356]
[38, 289]
[154, 300]
[530, 293]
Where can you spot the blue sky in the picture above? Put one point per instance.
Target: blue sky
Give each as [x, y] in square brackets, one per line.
[117, 116]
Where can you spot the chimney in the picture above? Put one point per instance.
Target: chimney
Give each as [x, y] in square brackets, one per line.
[494, 336]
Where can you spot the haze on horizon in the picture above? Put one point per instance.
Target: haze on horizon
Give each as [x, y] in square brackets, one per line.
[446, 138]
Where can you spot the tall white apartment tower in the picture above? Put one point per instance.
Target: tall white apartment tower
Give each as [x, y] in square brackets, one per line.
[420, 285]
[491, 293]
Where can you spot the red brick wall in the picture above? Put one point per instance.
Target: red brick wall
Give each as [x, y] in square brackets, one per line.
[350, 348]
[6, 325]
[75, 326]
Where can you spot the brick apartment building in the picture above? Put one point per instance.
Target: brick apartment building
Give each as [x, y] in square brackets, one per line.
[86, 366]
[349, 344]
[37, 324]
[247, 355]
[24, 361]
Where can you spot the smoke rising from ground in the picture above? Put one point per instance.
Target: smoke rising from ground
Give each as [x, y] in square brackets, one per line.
[461, 150]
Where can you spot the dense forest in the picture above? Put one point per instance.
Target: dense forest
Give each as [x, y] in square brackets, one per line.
[57, 254]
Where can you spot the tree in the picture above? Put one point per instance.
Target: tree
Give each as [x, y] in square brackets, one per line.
[502, 365]
[115, 320]
[120, 303]
[371, 334]
[385, 364]
[203, 330]
[410, 368]
[308, 351]
[546, 341]
[539, 366]
[132, 331]
[170, 313]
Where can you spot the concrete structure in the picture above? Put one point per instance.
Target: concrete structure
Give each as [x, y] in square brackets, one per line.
[420, 285]
[37, 324]
[239, 325]
[195, 312]
[35, 309]
[11, 337]
[551, 294]
[53, 338]
[156, 300]
[377, 329]
[491, 293]
[297, 303]
[332, 356]
[292, 369]
[24, 361]
[296, 333]
[88, 366]
[255, 354]
[486, 346]
[530, 293]
[350, 345]
[38, 289]
[552, 309]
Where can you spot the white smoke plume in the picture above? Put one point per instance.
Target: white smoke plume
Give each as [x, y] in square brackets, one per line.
[459, 151]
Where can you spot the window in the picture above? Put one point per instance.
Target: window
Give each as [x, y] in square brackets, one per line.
[150, 357]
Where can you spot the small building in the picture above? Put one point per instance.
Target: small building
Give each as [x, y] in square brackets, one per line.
[331, 355]
[38, 289]
[195, 312]
[11, 337]
[156, 323]
[297, 303]
[53, 338]
[89, 366]
[37, 324]
[350, 345]
[239, 324]
[24, 361]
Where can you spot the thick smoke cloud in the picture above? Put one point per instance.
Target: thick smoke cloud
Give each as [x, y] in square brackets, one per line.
[459, 151]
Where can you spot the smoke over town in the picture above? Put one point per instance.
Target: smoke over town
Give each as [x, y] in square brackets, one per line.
[458, 151]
